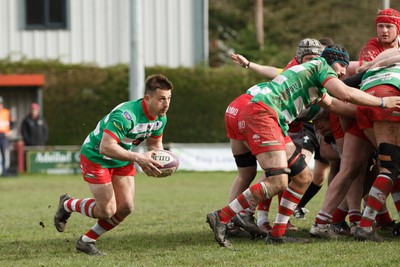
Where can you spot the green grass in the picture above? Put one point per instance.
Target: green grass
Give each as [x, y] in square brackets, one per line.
[167, 228]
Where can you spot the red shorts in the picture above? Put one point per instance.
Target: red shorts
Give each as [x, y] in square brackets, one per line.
[366, 116]
[336, 128]
[356, 131]
[231, 116]
[295, 127]
[93, 173]
[260, 129]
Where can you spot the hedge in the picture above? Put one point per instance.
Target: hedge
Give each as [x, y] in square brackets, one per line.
[75, 97]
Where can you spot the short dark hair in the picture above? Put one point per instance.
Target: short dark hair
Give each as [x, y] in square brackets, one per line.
[325, 41]
[157, 81]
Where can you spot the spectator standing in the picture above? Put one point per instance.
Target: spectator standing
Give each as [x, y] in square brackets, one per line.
[6, 123]
[34, 127]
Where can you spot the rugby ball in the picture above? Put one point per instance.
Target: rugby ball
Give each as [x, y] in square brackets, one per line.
[169, 161]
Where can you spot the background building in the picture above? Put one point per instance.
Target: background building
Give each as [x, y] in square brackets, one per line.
[174, 34]
[98, 31]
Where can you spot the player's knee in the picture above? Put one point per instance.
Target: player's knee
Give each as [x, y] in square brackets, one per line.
[106, 212]
[245, 160]
[304, 178]
[281, 185]
[125, 210]
[279, 182]
[389, 156]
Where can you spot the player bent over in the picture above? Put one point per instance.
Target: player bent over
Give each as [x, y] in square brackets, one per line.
[383, 129]
[108, 164]
[264, 124]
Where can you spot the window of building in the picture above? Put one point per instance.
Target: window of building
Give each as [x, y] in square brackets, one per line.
[45, 14]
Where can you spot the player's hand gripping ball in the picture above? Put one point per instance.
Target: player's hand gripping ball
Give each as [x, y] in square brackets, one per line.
[169, 161]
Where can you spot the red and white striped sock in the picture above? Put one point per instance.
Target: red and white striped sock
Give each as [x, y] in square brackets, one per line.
[83, 205]
[339, 215]
[101, 227]
[263, 211]
[354, 216]
[323, 218]
[243, 201]
[377, 196]
[290, 199]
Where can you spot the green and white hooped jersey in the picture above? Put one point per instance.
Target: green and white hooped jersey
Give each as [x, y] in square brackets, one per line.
[130, 124]
[383, 75]
[308, 114]
[294, 90]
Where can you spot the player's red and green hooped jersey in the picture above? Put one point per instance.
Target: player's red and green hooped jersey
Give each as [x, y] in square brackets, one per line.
[294, 90]
[385, 75]
[307, 114]
[130, 124]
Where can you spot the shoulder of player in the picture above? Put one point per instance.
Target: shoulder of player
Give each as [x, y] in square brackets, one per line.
[371, 47]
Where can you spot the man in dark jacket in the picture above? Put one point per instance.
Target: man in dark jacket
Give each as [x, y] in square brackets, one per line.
[34, 128]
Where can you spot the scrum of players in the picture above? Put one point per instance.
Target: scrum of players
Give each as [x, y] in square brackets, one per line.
[346, 114]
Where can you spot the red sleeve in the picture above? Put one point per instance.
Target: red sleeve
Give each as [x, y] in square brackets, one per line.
[370, 51]
[292, 63]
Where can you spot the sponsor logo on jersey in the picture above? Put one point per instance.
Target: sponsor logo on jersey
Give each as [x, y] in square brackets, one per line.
[143, 127]
[289, 91]
[117, 125]
[232, 111]
[142, 135]
[127, 115]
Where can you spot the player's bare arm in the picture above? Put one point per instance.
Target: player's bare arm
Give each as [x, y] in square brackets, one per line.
[349, 94]
[268, 71]
[338, 107]
[154, 143]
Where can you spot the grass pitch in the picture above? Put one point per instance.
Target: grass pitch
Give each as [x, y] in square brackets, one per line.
[167, 228]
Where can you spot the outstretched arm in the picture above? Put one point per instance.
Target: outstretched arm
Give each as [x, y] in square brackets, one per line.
[349, 94]
[338, 107]
[268, 71]
[385, 58]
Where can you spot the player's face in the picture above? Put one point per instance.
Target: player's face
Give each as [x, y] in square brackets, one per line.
[158, 102]
[340, 69]
[386, 33]
[307, 58]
